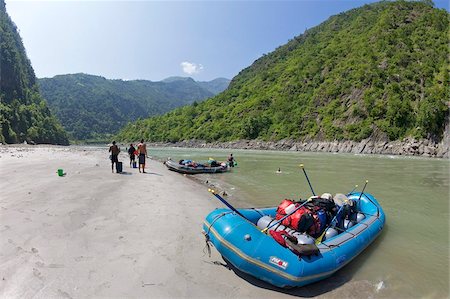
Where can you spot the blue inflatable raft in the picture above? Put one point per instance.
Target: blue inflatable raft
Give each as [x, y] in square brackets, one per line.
[251, 251]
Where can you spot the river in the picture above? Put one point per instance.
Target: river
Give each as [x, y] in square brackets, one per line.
[411, 257]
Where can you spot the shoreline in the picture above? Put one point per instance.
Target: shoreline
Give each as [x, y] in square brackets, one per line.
[406, 147]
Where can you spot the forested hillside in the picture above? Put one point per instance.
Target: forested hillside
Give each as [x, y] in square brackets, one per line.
[215, 86]
[378, 71]
[24, 115]
[92, 107]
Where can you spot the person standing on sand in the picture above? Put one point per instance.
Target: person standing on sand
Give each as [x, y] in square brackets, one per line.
[131, 151]
[142, 151]
[114, 150]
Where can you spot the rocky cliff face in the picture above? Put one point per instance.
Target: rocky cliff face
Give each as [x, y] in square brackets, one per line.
[405, 147]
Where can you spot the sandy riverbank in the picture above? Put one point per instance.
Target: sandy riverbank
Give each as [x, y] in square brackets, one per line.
[94, 234]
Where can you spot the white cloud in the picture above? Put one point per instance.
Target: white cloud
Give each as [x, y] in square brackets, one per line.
[191, 68]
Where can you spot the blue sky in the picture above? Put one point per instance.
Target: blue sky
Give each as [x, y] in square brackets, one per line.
[154, 40]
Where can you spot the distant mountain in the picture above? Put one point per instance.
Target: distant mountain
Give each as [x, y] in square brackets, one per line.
[215, 86]
[24, 115]
[379, 71]
[177, 78]
[93, 107]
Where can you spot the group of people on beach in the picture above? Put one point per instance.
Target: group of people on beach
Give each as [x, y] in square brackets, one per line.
[140, 151]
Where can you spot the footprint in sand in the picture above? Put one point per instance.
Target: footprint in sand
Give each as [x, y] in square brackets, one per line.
[61, 293]
[54, 266]
[38, 274]
[6, 227]
[83, 258]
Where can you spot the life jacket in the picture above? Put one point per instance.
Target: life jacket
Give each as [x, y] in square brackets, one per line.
[303, 220]
[278, 236]
[294, 219]
[281, 237]
[281, 210]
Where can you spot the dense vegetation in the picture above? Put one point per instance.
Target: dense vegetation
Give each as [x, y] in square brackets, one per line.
[379, 71]
[24, 115]
[91, 107]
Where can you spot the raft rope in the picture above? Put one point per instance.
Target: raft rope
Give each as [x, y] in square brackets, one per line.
[378, 210]
[208, 243]
[319, 239]
[344, 230]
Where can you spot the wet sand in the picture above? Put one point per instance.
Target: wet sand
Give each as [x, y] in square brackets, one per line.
[95, 234]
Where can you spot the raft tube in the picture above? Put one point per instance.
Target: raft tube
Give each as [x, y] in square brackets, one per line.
[251, 251]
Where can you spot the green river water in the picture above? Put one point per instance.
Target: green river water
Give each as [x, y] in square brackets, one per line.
[410, 259]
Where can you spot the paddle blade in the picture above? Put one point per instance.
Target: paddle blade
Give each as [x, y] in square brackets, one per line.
[320, 238]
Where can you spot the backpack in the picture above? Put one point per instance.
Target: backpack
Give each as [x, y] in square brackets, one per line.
[305, 222]
[281, 210]
[318, 203]
[349, 212]
[302, 220]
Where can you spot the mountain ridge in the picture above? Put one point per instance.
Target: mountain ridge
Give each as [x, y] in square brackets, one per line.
[92, 106]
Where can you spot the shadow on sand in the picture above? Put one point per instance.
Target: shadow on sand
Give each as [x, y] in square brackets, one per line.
[154, 173]
[337, 280]
[132, 173]
[124, 173]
